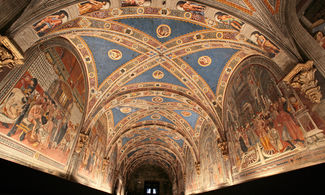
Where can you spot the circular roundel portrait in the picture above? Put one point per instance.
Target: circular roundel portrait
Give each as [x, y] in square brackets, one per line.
[140, 10]
[125, 110]
[114, 54]
[163, 31]
[176, 137]
[186, 113]
[204, 61]
[155, 116]
[157, 99]
[219, 35]
[158, 74]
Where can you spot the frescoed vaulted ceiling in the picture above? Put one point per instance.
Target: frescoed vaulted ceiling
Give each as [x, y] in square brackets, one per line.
[158, 90]
[157, 75]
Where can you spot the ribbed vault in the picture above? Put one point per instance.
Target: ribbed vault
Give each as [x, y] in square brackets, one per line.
[156, 78]
[155, 75]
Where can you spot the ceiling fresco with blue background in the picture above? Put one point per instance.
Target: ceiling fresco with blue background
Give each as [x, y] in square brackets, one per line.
[180, 66]
[183, 85]
[156, 75]
[149, 26]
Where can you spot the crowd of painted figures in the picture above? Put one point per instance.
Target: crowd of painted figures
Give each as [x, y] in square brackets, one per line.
[262, 117]
[33, 115]
[276, 130]
[93, 153]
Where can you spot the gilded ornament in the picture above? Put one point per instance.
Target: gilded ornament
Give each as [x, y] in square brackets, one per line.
[302, 77]
[10, 57]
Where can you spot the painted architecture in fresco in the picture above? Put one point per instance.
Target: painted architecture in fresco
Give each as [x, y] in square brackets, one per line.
[91, 163]
[267, 119]
[44, 114]
[212, 171]
[213, 98]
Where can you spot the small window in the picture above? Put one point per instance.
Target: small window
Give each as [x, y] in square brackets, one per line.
[151, 187]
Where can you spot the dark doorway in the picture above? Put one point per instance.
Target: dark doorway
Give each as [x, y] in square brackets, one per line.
[151, 187]
[148, 179]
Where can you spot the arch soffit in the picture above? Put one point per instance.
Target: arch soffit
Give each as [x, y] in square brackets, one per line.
[144, 147]
[172, 173]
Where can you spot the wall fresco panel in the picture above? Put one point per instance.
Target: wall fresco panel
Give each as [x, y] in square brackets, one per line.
[39, 117]
[271, 126]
